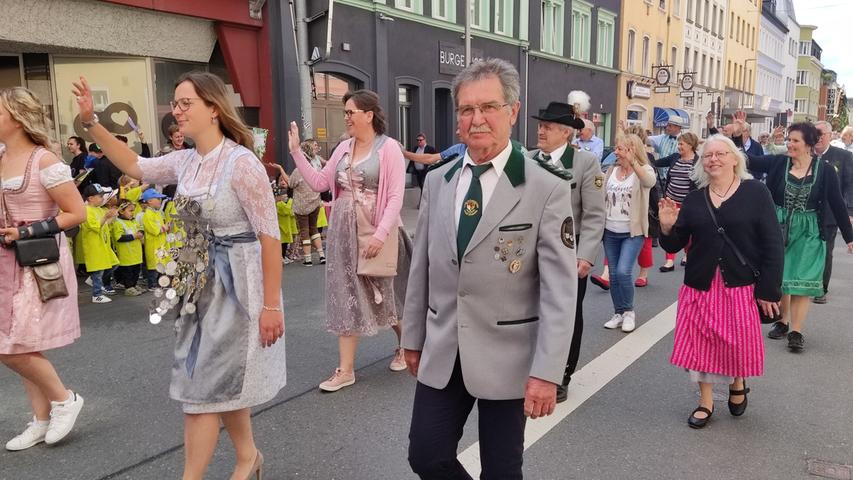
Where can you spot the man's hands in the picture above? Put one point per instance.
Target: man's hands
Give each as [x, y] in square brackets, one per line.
[540, 398]
[413, 360]
[583, 268]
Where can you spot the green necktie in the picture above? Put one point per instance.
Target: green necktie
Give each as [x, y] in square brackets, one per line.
[472, 210]
[546, 157]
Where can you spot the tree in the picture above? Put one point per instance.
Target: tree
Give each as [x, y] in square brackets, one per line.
[842, 110]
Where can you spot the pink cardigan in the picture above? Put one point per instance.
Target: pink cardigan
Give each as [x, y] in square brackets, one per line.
[392, 182]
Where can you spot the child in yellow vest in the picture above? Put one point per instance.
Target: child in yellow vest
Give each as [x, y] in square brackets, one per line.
[154, 228]
[131, 190]
[127, 235]
[94, 233]
[286, 223]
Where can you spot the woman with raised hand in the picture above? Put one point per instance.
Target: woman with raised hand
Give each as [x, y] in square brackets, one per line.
[736, 258]
[805, 189]
[227, 355]
[39, 200]
[627, 186]
[366, 171]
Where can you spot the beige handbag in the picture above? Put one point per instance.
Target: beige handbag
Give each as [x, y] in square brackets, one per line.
[384, 264]
[50, 282]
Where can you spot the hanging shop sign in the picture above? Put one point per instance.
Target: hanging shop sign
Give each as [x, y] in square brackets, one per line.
[638, 90]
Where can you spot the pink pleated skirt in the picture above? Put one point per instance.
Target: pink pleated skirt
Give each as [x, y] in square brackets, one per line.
[718, 331]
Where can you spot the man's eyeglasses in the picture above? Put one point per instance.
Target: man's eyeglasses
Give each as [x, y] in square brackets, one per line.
[349, 113]
[183, 104]
[486, 109]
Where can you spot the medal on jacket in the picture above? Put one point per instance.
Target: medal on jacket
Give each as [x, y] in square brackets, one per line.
[471, 208]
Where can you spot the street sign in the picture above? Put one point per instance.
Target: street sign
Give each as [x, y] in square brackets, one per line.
[661, 89]
[687, 82]
[686, 94]
[662, 76]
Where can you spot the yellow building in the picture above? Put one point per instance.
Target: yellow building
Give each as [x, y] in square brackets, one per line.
[741, 54]
[652, 34]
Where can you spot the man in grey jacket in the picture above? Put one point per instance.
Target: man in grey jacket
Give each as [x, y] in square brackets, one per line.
[490, 302]
[557, 125]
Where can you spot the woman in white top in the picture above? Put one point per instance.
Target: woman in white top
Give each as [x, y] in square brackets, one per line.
[628, 183]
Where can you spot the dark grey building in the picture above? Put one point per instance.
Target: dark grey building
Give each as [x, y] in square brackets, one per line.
[409, 50]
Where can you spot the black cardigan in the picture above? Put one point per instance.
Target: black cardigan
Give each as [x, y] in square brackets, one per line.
[749, 220]
[826, 193]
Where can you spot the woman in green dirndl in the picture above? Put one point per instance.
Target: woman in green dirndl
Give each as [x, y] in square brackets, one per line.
[804, 189]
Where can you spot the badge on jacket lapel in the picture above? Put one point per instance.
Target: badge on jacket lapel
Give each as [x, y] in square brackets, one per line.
[567, 232]
[599, 181]
[471, 208]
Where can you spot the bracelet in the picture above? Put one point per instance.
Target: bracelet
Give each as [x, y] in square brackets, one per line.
[272, 309]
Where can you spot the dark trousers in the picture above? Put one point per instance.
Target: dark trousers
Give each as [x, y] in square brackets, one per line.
[829, 234]
[129, 275]
[438, 417]
[420, 177]
[151, 277]
[577, 333]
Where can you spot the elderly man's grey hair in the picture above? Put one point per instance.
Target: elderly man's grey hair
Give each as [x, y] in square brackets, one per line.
[700, 177]
[823, 123]
[492, 67]
[587, 123]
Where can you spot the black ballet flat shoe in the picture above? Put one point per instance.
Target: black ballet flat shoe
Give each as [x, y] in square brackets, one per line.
[696, 422]
[683, 262]
[737, 409]
[665, 269]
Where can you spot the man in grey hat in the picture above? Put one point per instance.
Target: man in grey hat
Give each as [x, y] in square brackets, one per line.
[557, 125]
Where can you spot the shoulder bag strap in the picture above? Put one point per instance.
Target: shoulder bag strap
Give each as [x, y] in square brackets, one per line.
[722, 231]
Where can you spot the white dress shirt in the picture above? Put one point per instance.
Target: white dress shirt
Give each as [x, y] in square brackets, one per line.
[556, 155]
[488, 179]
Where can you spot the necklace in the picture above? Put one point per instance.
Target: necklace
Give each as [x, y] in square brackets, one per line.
[726, 193]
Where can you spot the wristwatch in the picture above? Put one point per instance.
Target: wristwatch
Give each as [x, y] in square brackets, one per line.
[91, 123]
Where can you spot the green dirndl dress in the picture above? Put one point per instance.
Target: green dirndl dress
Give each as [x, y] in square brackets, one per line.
[805, 250]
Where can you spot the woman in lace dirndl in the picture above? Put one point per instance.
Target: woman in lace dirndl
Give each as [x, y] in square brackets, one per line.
[225, 281]
[367, 171]
[39, 199]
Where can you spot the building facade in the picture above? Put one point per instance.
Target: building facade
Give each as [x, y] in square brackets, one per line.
[808, 81]
[777, 65]
[132, 53]
[830, 95]
[409, 51]
[704, 54]
[653, 36]
[741, 56]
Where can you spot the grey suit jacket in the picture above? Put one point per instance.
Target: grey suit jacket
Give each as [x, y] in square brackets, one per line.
[508, 310]
[587, 199]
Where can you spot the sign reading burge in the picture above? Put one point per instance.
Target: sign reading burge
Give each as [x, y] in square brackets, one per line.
[451, 57]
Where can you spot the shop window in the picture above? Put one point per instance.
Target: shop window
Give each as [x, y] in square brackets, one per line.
[123, 91]
[11, 73]
[632, 38]
[407, 114]
[551, 39]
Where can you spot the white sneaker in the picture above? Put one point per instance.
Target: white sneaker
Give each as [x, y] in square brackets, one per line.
[614, 322]
[628, 322]
[286, 261]
[101, 299]
[89, 281]
[398, 364]
[33, 435]
[63, 415]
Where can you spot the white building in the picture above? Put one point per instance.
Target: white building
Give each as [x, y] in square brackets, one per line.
[777, 66]
[704, 56]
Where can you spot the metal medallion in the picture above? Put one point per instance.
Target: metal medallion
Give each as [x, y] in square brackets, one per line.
[209, 205]
[497, 256]
[515, 266]
[158, 292]
[160, 268]
[155, 318]
[172, 268]
[190, 308]
[171, 293]
[164, 281]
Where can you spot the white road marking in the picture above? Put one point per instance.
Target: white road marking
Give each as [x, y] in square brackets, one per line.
[589, 380]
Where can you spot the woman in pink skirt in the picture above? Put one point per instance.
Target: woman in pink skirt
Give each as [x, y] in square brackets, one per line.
[36, 187]
[731, 226]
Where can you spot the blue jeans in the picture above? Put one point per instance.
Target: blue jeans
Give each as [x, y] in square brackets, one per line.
[622, 251]
[97, 283]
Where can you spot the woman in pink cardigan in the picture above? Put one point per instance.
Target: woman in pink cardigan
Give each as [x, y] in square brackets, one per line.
[368, 169]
